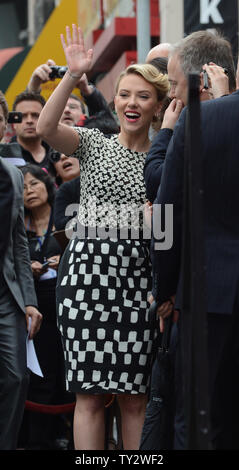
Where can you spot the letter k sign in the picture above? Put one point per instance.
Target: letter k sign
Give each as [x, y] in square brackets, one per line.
[208, 8]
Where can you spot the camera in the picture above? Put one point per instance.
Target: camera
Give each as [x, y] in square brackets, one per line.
[205, 80]
[57, 71]
[14, 117]
[45, 265]
[54, 156]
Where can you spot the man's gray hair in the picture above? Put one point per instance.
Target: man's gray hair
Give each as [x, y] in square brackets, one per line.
[202, 47]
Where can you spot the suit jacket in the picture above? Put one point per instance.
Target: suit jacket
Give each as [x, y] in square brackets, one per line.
[154, 163]
[68, 193]
[6, 203]
[16, 265]
[220, 144]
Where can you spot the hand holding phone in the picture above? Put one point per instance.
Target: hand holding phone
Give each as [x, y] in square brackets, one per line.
[45, 265]
[218, 79]
[205, 80]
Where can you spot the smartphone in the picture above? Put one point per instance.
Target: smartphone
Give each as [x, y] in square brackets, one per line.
[45, 264]
[14, 117]
[205, 80]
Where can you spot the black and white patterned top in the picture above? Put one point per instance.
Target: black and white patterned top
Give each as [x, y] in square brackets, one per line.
[112, 182]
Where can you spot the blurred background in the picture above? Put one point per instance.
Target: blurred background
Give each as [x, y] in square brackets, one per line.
[120, 32]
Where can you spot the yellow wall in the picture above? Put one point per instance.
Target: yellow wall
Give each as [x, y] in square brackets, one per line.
[47, 46]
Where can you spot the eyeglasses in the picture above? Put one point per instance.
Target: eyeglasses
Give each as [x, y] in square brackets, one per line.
[54, 157]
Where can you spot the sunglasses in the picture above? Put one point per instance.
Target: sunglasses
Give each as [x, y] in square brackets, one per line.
[54, 157]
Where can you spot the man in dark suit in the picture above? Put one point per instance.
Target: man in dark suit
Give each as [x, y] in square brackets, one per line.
[220, 142]
[18, 302]
[6, 201]
[189, 55]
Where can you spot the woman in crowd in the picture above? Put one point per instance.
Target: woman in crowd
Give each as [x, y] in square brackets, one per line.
[39, 194]
[65, 168]
[103, 284]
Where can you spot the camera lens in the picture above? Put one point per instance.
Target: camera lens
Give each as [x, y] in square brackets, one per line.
[57, 71]
[62, 71]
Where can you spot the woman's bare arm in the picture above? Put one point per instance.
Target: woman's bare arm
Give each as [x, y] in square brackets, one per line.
[63, 138]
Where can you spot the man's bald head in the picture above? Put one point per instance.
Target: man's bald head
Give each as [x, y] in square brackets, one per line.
[161, 50]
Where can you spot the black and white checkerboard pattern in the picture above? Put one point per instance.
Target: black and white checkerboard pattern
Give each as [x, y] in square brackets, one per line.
[102, 315]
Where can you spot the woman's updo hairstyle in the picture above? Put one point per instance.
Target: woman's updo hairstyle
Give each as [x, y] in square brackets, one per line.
[151, 74]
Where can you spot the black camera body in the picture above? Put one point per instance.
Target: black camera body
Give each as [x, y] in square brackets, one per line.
[57, 71]
[14, 117]
[205, 80]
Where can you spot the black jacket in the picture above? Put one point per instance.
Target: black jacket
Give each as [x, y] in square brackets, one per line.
[154, 163]
[6, 203]
[68, 193]
[28, 157]
[220, 143]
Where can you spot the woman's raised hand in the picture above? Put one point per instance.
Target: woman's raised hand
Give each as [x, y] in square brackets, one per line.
[78, 60]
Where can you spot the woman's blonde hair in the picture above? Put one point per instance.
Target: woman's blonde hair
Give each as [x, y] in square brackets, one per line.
[151, 75]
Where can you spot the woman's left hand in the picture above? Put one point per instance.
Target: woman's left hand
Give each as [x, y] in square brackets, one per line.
[78, 60]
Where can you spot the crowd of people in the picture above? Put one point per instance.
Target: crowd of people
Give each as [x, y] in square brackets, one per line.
[79, 275]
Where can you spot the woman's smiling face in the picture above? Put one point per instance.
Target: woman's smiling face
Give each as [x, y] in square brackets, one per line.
[136, 103]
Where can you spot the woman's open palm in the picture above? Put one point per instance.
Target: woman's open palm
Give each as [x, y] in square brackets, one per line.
[78, 60]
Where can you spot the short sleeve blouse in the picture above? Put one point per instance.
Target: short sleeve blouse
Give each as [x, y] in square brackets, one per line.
[111, 181]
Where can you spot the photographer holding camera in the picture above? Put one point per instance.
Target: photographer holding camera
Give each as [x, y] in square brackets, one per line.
[33, 149]
[74, 112]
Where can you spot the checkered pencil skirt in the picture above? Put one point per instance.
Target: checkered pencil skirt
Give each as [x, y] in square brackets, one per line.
[102, 292]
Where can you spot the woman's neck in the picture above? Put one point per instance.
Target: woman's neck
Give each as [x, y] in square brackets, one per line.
[135, 142]
[39, 219]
